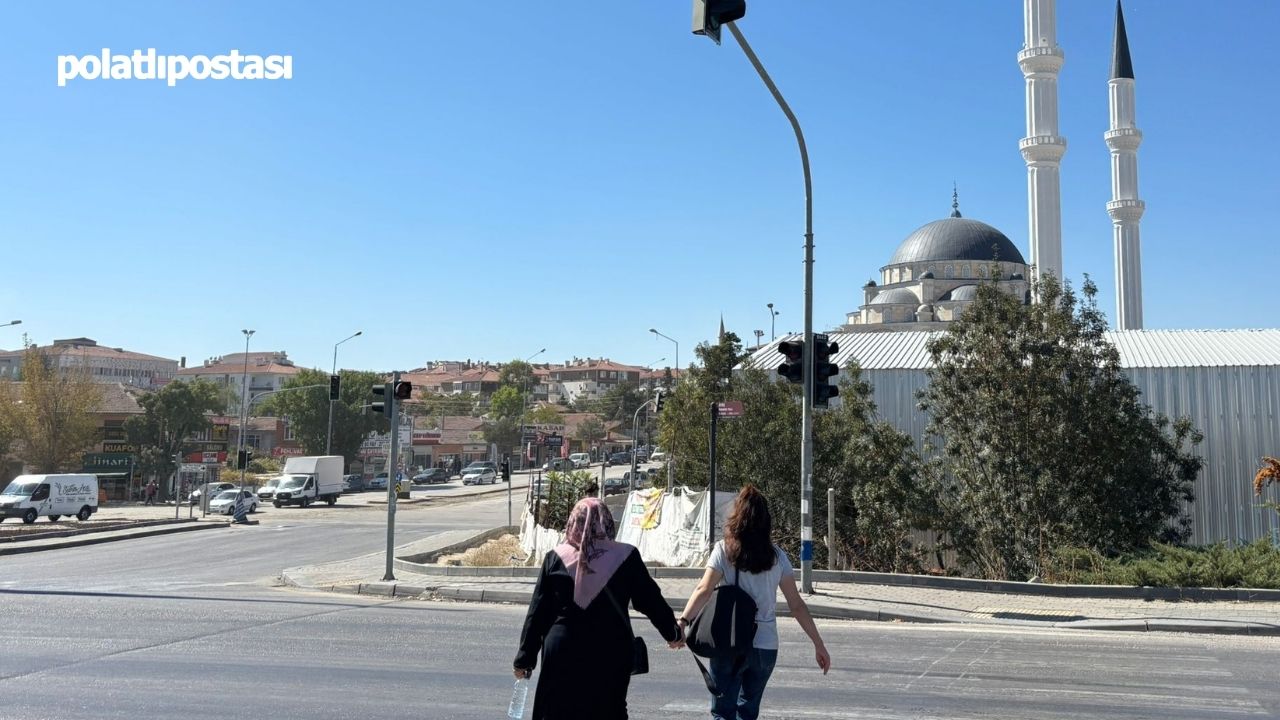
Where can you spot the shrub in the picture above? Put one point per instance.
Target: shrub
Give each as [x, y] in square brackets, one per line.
[1256, 565]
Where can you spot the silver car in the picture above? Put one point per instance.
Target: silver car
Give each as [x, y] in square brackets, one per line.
[224, 503]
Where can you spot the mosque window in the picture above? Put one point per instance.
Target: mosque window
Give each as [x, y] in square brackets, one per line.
[949, 271]
[964, 272]
[906, 273]
[982, 271]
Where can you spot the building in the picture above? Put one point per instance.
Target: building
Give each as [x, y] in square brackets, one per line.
[590, 379]
[264, 371]
[106, 365]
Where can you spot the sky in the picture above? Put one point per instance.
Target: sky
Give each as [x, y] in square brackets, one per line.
[467, 180]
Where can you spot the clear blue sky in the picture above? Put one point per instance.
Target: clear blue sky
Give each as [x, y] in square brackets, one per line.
[460, 183]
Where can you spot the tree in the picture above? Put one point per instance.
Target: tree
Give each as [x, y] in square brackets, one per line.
[507, 403]
[517, 374]
[590, 431]
[871, 466]
[170, 416]
[1044, 443]
[51, 415]
[621, 402]
[544, 415]
[307, 411]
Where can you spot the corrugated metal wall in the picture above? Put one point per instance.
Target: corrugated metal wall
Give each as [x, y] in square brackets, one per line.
[1237, 409]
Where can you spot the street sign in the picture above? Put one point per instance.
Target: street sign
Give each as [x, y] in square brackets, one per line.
[729, 409]
[554, 441]
[192, 468]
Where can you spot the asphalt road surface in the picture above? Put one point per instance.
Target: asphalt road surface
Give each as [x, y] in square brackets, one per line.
[190, 626]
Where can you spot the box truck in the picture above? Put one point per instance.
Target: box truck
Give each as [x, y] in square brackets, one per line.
[52, 496]
[309, 479]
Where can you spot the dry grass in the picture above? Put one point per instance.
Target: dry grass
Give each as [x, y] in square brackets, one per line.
[494, 553]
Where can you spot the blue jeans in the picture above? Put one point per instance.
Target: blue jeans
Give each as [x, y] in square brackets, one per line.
[741, 684]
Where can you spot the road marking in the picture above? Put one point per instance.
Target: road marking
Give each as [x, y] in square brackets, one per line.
[950, 651]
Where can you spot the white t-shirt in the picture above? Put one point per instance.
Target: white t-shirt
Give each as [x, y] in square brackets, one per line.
[762, 587]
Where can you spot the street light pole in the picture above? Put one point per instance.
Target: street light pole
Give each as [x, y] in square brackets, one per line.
[806, 421]
[244, 415]
[328, 440]
[12, 322]
[773, 314]
[671, 461]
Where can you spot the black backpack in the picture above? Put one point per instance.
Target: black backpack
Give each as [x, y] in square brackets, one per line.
[726, 627]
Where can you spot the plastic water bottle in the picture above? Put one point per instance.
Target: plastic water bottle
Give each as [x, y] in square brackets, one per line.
[518, 695]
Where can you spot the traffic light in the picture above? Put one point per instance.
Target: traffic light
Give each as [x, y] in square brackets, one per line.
[404, 390]
[243, 458]
[506, 470]
[793, 368]
[709, 15]
[659, 398]
[381, 391]
[824, 370]
[335, 385]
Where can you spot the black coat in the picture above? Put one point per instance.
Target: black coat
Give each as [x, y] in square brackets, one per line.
[586, 654]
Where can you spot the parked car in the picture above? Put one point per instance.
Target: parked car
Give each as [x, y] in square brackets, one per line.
[431, 475]
[581, 460]
[379, 481]
[268, 489]
[211, 488]
[642, 455]
[224, 503]
[614, 485]
[477, 474]
[658, 455]
[353, 483]
[620, 458]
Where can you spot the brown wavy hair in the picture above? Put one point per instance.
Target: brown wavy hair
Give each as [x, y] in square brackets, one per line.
[748, 533]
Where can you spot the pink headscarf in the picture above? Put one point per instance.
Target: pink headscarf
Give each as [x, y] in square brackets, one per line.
[589, 551]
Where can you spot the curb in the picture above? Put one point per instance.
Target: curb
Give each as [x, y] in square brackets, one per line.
[396, 589]
[106, 538]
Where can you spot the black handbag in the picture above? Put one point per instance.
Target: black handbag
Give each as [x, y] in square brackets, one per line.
[639, 652]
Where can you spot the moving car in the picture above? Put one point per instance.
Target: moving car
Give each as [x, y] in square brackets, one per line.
[478, 474]
[224, 503]
[310, 479]
[620, 458]
[211, 488]
[558, 465]
[581, 460]
[658, 455]
[379, 481]
[268, 489]
[431, 475]
[642, 455]
[30, 496]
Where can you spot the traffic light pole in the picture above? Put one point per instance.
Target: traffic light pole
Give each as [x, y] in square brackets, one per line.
[806, 422]
[393, 459]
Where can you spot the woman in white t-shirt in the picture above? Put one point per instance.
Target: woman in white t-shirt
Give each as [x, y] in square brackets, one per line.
[748, 555]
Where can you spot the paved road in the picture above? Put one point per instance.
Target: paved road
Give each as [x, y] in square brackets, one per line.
[190, 626]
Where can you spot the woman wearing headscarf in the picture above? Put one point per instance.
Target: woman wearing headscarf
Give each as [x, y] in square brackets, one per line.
[577, 619]
[747, 556]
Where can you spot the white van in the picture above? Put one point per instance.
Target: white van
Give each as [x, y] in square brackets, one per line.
[580, 460]
[31, 496]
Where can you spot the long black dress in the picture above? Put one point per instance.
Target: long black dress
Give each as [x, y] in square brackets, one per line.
[586, 654]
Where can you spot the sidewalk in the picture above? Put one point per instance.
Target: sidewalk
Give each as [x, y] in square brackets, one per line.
[834, 600]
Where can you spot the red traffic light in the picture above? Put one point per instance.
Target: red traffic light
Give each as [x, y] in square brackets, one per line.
[404, 390]
[793, 368]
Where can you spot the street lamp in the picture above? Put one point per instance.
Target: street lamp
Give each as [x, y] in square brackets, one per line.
[12, 322]
[524, 407]
[328, 440]
[671, 463]
[244, 413]
[772, 314]
[759, 334]
[655, 362]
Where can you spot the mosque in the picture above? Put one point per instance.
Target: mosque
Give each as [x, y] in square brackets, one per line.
[934, 274]
[1226, 382]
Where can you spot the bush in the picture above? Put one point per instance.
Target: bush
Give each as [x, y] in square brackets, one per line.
[564, 490]
[1256, 565]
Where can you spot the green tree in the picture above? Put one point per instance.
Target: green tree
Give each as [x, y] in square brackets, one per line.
[506, 404]
[517, 374]
[544, 415]
[170, 416]
[308, 411]
[621, 402]
[1043, 442]
[51, 416]
[590, 431]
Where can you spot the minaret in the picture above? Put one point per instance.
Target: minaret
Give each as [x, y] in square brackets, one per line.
[1042, 148]
[1125, 208]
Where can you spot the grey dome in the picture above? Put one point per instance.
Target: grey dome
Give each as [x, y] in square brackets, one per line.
[956, 238]
[964, 293]
[896, 296]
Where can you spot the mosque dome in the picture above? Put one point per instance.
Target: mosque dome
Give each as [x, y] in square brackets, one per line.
[964, 293]
[956, 238]
[896, 296]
